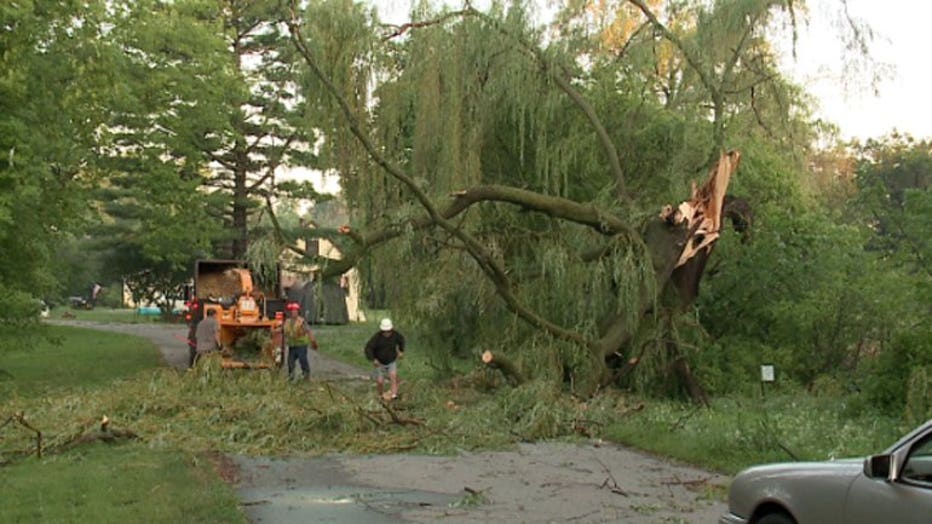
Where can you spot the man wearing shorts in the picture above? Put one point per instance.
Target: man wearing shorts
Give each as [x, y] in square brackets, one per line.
[384, 349]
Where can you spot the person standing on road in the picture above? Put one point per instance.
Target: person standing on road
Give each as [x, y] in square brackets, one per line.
[96, 288]
[384, 349]
[298, 337]
[207, 335]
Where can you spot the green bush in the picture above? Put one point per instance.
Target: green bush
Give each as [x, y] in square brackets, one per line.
[111, 296]
[888, 375]
[919, 395]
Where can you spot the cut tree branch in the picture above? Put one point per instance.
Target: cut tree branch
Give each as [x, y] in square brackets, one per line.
[507, 367]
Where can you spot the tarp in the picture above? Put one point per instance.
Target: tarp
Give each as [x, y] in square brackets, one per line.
[321, 303]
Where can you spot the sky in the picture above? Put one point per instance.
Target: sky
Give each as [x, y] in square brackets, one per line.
[843, 96]
[901, 46]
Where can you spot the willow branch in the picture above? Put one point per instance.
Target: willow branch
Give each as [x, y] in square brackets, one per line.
[555, 207]
[736, 52]
[485, 260]
[704, 76]
[624, 49]
[691, 59]
[403, 28]
[608, 147]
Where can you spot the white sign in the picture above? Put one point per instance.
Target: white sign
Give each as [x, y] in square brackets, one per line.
[766, 373]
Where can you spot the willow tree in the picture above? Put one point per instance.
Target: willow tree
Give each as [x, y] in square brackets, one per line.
[508, 193]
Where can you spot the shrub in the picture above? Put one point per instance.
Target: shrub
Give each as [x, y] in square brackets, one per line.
[918, 399]
[888, 375]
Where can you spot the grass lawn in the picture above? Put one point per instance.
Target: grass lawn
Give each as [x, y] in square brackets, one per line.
[346, 342]
[735, 433]
[95, 482]
[103, 314]
[123, 483]
[74, 358]
[183, 416]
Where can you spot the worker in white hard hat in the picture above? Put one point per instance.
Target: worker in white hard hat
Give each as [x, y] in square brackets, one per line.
[384, 349]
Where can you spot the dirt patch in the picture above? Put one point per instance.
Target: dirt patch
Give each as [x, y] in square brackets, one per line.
[225, 467]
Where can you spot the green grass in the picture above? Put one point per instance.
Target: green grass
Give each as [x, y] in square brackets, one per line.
[95, 482]
[736, 433]
[73, 358]
[345, 343]
[124, 483]
[103, 314]
[258, 413]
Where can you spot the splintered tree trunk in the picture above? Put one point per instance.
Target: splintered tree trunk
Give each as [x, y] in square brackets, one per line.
[680, 241]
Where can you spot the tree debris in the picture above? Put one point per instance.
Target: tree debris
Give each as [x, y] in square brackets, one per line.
[398, 419]
[20, 418]
[610, 481]
[676, 481]
[104, 434]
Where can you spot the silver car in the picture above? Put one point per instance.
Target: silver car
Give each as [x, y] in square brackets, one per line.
[894, 487]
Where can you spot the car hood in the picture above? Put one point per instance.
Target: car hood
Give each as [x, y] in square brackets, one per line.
[848, 468]
[800, 487]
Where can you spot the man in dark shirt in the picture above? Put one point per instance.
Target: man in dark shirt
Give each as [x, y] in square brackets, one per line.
[384, 349]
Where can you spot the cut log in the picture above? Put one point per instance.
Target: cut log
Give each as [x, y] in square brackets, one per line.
[504, 365]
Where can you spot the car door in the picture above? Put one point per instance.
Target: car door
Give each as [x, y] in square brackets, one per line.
[907, 500]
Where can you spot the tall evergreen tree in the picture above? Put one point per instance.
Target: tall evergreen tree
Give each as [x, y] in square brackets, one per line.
[211, 96]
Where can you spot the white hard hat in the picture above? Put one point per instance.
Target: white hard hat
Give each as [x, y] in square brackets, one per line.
[386, 324]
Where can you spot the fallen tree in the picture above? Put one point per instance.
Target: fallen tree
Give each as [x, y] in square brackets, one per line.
[618, 279]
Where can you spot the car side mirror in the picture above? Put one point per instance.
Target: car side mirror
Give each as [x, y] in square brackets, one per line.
[877, 467]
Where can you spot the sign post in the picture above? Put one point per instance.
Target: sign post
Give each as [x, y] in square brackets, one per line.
[766, 375]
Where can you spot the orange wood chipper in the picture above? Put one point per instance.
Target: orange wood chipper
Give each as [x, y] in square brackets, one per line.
[242, 309]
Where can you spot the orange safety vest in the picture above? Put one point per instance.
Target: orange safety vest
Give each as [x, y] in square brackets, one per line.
[296, 333]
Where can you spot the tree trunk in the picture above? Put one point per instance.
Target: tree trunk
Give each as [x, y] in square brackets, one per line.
[240, 203]
[688, 380]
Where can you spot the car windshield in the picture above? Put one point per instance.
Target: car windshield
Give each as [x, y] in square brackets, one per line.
[909, 436]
